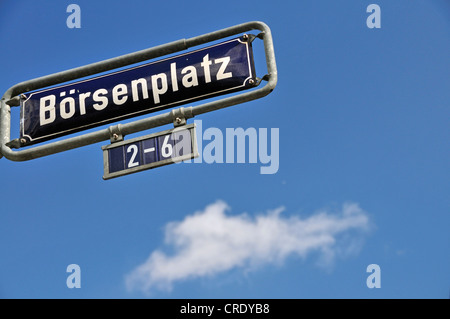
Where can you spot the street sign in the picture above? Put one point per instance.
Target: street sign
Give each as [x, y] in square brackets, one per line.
[48, 111]
[154, 150]
[215, 70]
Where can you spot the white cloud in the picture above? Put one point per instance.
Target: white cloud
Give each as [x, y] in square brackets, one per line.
[210, 242]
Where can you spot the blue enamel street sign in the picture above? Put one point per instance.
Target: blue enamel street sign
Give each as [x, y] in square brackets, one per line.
[150, 151]
[215, 70]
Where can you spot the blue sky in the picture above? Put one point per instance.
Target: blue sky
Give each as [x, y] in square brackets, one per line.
[363, 179]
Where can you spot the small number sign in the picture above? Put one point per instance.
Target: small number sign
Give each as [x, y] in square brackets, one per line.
[150, 151]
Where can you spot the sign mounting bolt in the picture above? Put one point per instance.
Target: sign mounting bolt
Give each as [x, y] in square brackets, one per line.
[23, 141]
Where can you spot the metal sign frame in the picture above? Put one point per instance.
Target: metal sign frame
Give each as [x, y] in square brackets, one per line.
[211, 71]
[116, 132]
